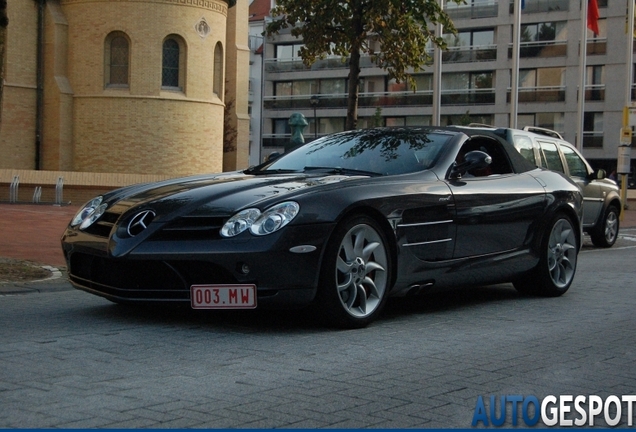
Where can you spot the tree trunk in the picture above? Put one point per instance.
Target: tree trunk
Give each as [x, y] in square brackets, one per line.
[354, 90]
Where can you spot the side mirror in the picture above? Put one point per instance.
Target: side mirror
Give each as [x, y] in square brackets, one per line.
[599, 174]
[272, 156]
[472, 160]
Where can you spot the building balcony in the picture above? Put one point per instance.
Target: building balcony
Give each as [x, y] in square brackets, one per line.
[385, 99]
[596, 46]
[536, 6]
[474, 11]
[296, 64]
[592, 139]
[595, 92]
[541, 49]
[539, 94]
[470, 54]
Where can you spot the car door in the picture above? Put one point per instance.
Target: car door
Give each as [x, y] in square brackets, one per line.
[579, 171]
[494, 213]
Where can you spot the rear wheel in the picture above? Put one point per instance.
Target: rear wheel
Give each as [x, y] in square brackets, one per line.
[606, 231]
[355, 276]
[557, 265]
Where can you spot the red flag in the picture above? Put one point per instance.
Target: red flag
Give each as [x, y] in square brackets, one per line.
[592, 16]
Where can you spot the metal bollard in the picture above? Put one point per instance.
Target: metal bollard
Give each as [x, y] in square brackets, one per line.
[59, 189]
[13, 189]
[37, 194]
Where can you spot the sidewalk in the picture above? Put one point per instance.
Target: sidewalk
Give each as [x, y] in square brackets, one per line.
[32, 232]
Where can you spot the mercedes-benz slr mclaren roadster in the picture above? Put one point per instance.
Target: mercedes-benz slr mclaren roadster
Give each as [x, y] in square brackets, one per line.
[338, 224]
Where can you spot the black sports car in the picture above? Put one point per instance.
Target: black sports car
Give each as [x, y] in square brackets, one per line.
[339, 224]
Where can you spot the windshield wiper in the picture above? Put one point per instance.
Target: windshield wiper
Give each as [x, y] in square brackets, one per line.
[270, 171]
[341, 170]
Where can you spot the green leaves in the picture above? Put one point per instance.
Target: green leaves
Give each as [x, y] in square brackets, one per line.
[397, 34]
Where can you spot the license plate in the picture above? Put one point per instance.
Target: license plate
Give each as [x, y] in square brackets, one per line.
[223, 296]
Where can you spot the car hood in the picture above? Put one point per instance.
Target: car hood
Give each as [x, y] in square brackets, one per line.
[217, 195]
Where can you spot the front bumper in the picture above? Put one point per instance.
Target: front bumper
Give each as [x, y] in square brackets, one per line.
[164, 270]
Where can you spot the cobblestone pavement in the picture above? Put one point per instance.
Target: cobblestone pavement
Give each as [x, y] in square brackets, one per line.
[72, 360]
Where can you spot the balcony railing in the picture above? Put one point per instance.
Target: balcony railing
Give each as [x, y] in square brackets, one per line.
[535, 6]
[470, 54]
[596, 46]
[595, 92]
[539, 94]
[486, 10]
[541, 49]
[592, 139]
[385, 99]
[296, 64]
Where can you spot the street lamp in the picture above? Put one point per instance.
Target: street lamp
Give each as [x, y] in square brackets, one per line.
[314, 101]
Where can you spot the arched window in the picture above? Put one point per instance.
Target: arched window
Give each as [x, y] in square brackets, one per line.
[170, 72]
[116, 60]
[217, 86]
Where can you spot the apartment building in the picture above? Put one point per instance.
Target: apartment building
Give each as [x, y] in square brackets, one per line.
[476, 78]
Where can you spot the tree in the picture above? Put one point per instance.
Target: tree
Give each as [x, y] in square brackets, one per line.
[352, 28]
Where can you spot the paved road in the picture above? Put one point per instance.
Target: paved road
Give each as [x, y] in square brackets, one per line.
[69, 359]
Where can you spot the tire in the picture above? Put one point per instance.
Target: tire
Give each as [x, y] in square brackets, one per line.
[553, 275]
[355, 275]
[606, 231]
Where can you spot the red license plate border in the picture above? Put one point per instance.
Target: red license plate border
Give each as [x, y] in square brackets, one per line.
[223, 301]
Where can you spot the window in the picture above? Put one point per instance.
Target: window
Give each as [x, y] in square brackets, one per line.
[116, 60]
[548, 120]
[576, 166]
[551, 156]
[469, 38]
[288, 52]
[593, 129]
[310, 87]
[544, 32]
[218, 71]
[542, 77]
[524, 145]
[173, 63]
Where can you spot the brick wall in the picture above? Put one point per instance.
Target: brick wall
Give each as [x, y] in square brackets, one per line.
[139, 129]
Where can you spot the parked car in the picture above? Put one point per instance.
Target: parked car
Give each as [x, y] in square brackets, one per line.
[338, 224]
[601, 195]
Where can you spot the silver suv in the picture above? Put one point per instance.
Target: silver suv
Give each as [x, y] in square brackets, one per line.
[546, 148]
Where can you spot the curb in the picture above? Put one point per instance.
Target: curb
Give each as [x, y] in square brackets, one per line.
[26, 287]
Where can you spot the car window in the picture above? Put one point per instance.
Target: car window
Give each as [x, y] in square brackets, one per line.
[551, 156]
[381, 151]
[500, 163]
[523, 144]
[576, 166]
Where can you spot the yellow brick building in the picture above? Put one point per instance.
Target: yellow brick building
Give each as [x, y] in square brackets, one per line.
[125, 86]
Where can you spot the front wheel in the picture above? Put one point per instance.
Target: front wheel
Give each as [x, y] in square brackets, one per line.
[557, 265]
[355, 275]
[606, 231]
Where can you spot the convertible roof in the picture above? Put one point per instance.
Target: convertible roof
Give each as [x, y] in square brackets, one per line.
[519, 163]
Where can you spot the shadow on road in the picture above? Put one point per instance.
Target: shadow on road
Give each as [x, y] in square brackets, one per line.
[298, 321]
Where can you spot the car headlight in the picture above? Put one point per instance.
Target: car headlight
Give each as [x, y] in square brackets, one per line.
[259, 223]
[87, 211]
[240, 222]
[275, 218]
[93, 216]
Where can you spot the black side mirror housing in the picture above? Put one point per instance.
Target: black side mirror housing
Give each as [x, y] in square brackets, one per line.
[475, 159]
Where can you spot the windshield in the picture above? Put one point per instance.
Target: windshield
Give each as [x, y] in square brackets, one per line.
[366, 151]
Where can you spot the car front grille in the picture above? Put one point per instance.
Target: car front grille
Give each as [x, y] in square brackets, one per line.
[191, 228]
[144, 279]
